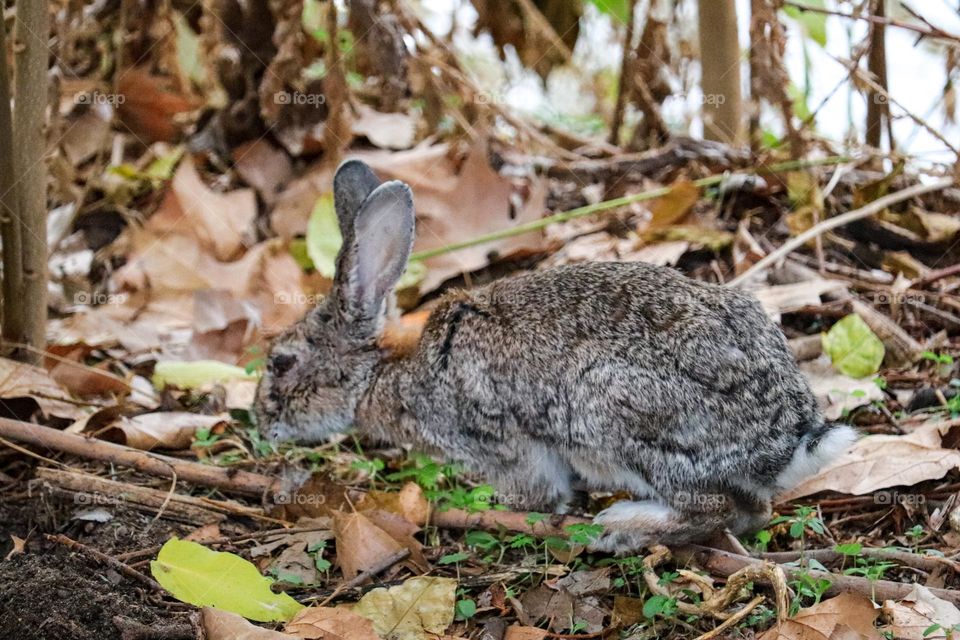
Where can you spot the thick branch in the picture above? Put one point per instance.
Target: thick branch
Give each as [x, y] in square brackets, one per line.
[9, 218]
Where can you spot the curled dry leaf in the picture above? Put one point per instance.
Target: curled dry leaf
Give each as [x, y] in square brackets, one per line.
[18, 380]
[846, 616]
[223, 625]
[418, 609]
[883, 461]
[331, 623]
[914, 617]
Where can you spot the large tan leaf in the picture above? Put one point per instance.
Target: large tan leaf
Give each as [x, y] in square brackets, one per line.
[882, 461]
[418, 609]
[18, 380]
[223, 222]
[515, 632]
[361, 544]
[911, 618]
[848, 616]
[331, 623]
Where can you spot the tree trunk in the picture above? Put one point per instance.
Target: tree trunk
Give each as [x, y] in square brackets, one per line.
[626, 70]
[9, 217]
[720, 64]
[877, 108]
[28, 121]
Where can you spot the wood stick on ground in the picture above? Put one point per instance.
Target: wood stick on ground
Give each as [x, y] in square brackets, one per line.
[110, 561]
[552, 525]
[829, 224]
[369, 574]
[915, 560]
[724, 563]
[229, 480]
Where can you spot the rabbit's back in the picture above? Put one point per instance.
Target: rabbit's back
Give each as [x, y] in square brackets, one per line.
[627, 365]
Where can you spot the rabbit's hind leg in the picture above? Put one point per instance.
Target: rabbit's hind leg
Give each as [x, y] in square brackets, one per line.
[630, 526]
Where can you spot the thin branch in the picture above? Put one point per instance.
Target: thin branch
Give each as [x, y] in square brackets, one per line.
[866, 211]
[930, 32]
[607, 205]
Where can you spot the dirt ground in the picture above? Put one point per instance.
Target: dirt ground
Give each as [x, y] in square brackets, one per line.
[50, 593]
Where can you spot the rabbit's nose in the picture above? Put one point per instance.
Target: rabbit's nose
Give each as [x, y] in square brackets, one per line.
[280, 363]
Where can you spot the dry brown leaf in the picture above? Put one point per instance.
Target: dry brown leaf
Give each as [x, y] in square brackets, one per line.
[223, 625]
[18, 380]
[361, 544]
[836, 393]
[409, 503]
[848, 616]
[204, 533]
[263, 166]
[331, 623]
[882, 461]
[673, 207]
[627, 611]
[525, 633]
[223, 222]
[912, 617]
[88, 133]
[783, 298]
[82, 380]
[149, 109]
[385, 130]
[164, 429]
[19, 545]
[402, 531]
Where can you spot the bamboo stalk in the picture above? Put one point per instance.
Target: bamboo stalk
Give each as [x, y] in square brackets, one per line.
[28, 120]
[9, 219]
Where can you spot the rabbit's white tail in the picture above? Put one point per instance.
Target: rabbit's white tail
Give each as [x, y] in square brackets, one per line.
[816, 449]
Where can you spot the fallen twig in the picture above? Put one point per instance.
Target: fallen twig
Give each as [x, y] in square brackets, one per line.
[915, 560]
[110, 561]
[370, 573]
[725, 563]
[230, 480]
[865, 211]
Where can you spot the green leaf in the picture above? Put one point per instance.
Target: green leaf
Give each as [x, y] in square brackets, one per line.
[853, 348]
[619, 10]
[465, 609]
[658, 605]
[814, 24]
[452, 558]
[189, 53]
[323, 236]
[481, 540]
[850, 549]
[194, 574]
[189, 375]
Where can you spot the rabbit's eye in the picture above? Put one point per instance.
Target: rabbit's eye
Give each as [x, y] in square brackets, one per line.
[280, 363]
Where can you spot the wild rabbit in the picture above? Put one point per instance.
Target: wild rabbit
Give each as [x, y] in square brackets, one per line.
[619, 376]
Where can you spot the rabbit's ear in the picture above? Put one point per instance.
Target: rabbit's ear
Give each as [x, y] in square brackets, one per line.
[352, 183]
[377, 257]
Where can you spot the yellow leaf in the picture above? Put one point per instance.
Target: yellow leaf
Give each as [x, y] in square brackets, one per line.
[413, 610]
[202, 577]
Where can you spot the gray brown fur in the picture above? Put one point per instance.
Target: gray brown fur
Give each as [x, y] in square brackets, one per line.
[616, 376]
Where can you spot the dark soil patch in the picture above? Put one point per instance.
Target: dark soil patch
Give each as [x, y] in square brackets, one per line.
[53, 595]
